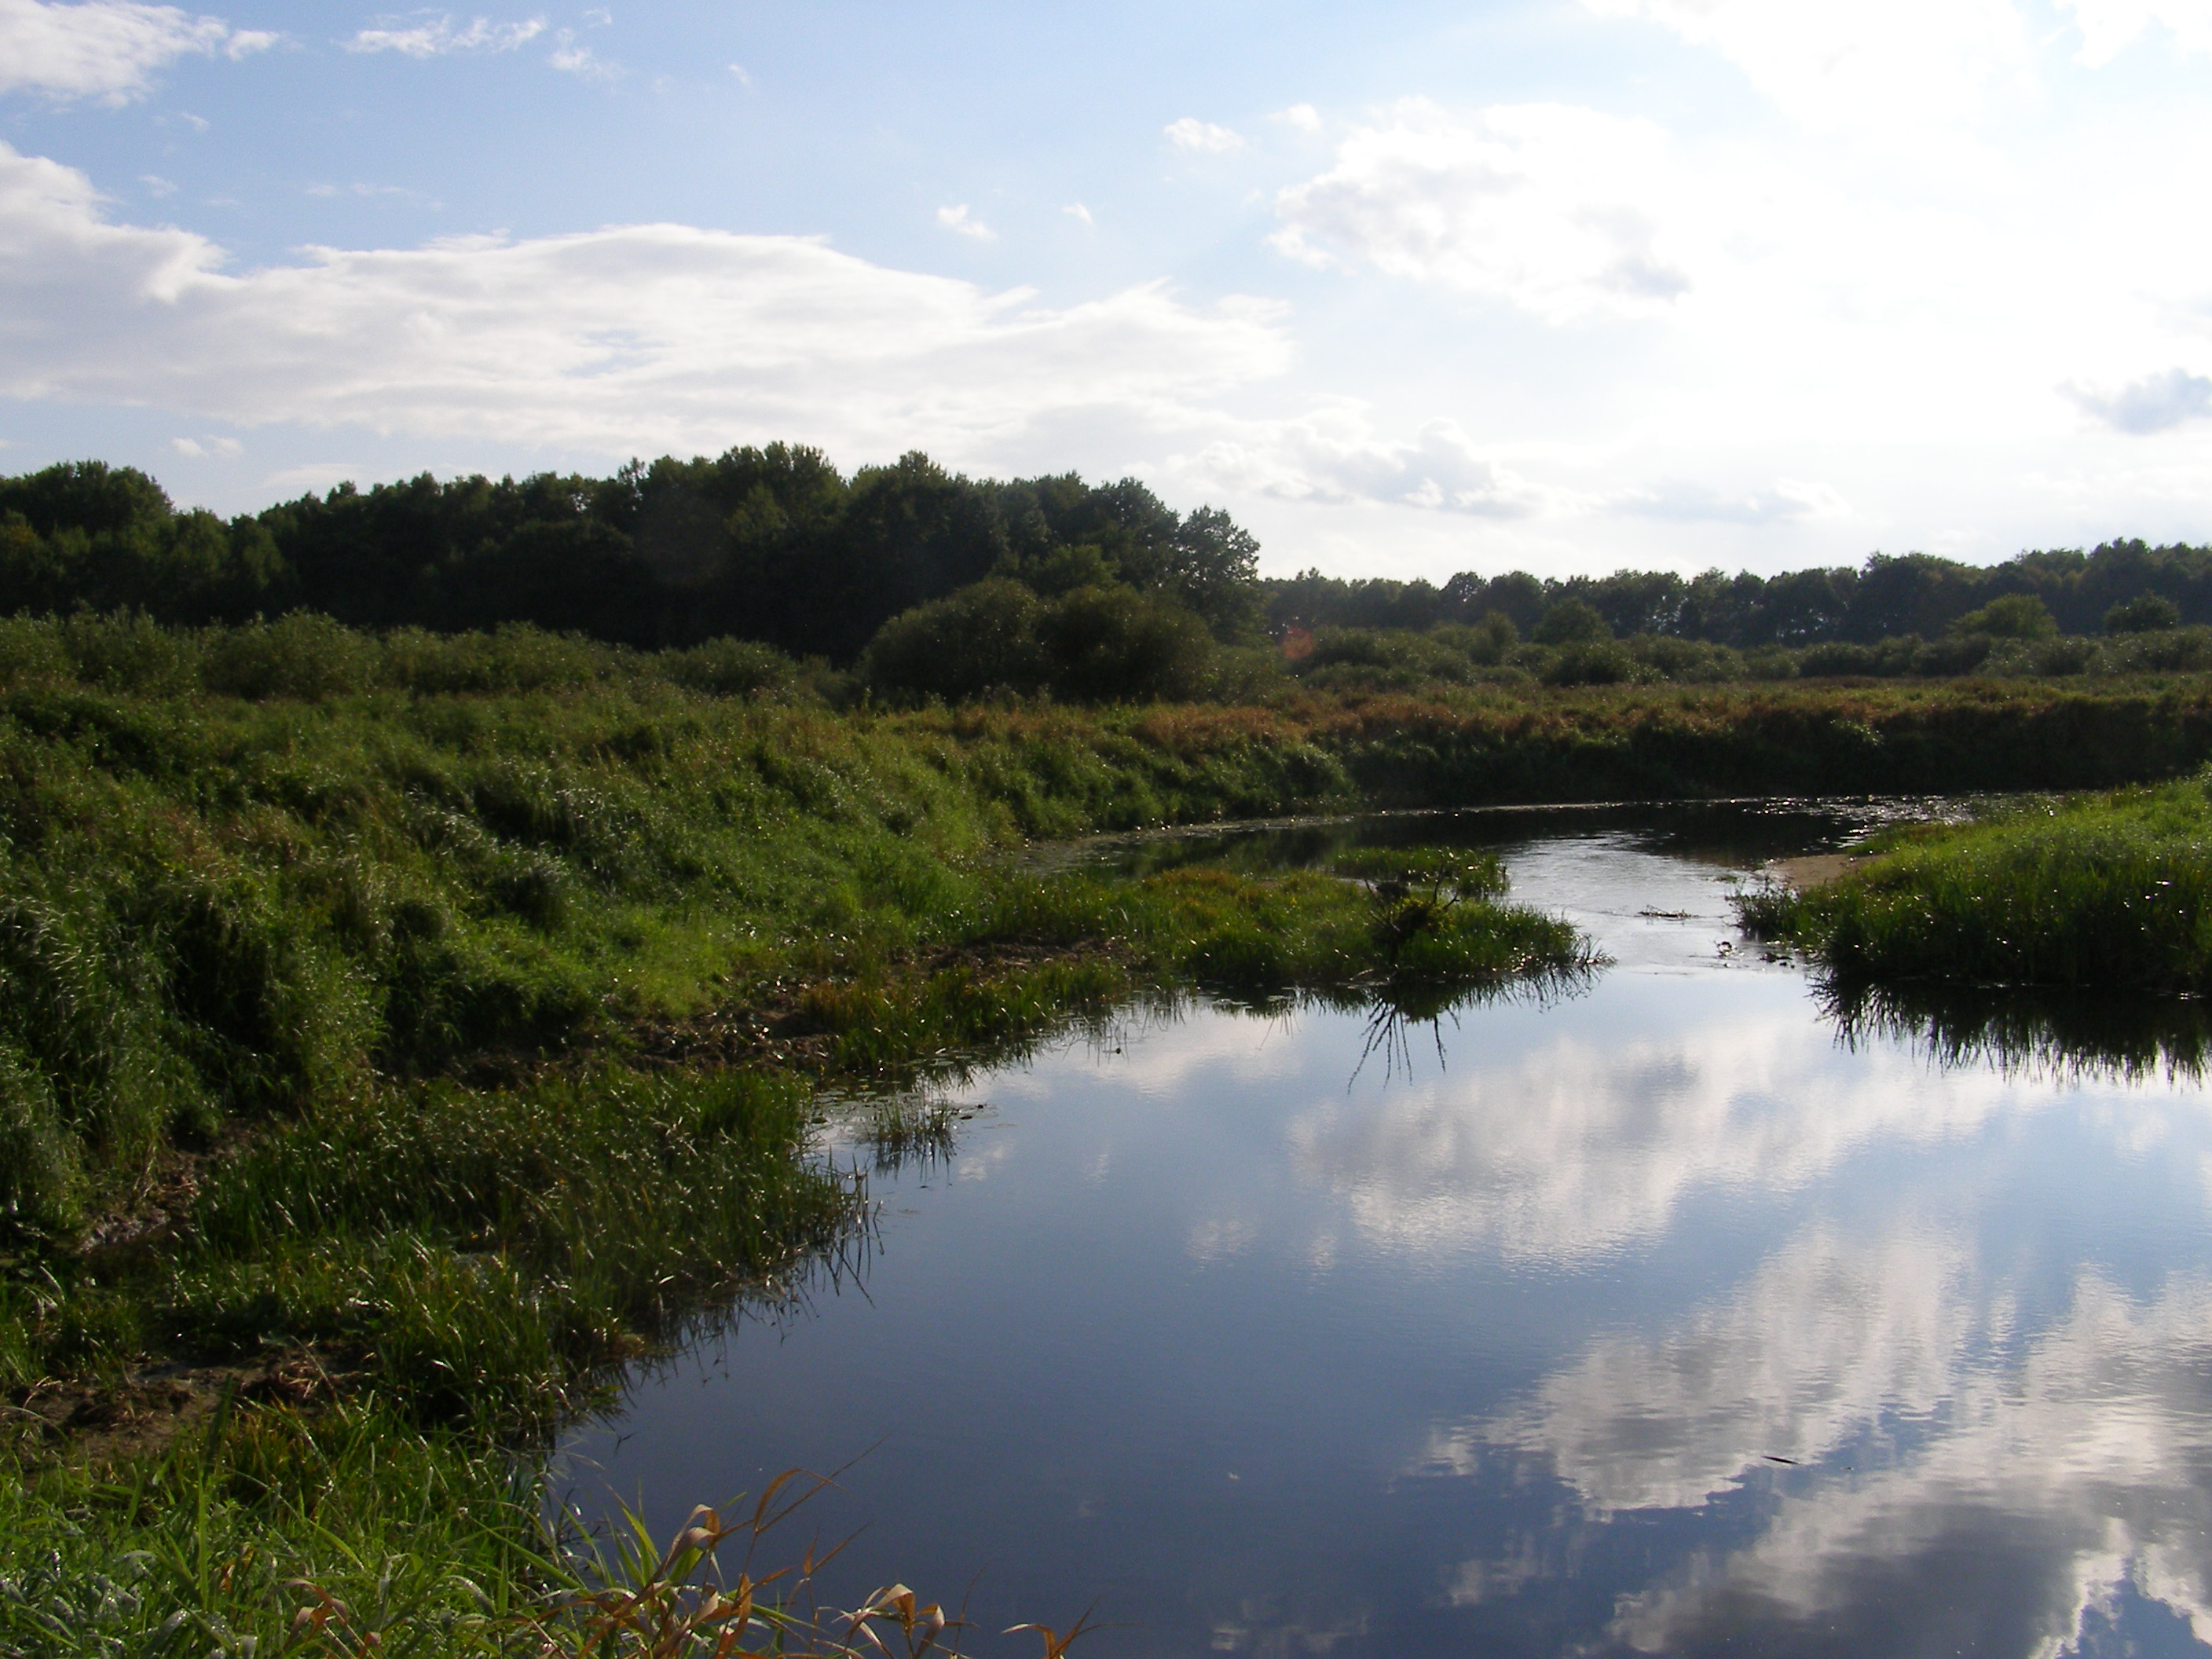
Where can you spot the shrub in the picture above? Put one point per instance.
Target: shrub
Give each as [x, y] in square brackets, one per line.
[2147, 613]
[980, 639]
[304, 655]
[1594, 662]
[1569, 621]
[1839, 657]
[1114, 645]
[2010, 617]
[731, 668]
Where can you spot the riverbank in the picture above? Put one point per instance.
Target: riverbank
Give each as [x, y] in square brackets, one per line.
[2110, 892]
[400, 1034]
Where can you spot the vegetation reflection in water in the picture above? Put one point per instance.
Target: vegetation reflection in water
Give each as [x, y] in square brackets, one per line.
[1686, 1311]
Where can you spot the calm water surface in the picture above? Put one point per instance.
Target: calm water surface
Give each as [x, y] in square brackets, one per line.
[1656, 1317]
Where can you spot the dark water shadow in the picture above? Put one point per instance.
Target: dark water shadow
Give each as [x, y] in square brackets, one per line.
[2029, 1032]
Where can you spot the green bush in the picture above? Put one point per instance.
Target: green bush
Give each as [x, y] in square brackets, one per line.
[2009, 616]
[2147, 613]
[1569, 621]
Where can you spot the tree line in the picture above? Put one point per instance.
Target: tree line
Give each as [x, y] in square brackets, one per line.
[770, 543]
[937, 584]
[1889, 597]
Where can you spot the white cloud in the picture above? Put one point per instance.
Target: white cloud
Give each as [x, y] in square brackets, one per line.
[1077, 211]
[1574, 1148]
[222, 449]
[1333, 455]
[244, 43]
[1873, 66]
[1203, 137]
[1829, 1332]
[156, 185]
[620, 340]
[2151, 404]
[2110, 27]
[745, 75]
[1559, 211]
[1789, 501]
[957, 220]
[436, 37]
[2066, 1476]
[1304, 116]
[572, 59]
[103, 48]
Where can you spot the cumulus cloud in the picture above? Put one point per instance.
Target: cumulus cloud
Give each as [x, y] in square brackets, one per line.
[1202, 137]
[958, 219]
[615, 341]
[436, 37]
[1871, 65]
[2070, 1476]
[1830, 1332]
[1332, 455]
[2151, 404]
[1304, 117]
[1557, 210]
[105, 49]
[1575, 1149]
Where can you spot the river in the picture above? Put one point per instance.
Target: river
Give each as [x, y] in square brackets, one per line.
[1663, 1313]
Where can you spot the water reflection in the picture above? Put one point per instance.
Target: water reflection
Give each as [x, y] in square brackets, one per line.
[2077, 1471]
[1697, 1310]
[2061, 1032]
[1593, 1139]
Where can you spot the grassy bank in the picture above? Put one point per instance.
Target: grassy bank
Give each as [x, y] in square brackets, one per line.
[385, 1061]
[2111, 892]
[399, 1034]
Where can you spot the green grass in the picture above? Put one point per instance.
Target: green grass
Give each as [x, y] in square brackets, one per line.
[442, 1016]
[2112, 892]
[204, 1547]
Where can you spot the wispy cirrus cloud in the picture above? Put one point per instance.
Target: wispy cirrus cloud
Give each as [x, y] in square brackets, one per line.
[424, 36]
[106, 49]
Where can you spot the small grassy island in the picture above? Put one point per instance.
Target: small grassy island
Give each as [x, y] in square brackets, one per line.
[430, 916]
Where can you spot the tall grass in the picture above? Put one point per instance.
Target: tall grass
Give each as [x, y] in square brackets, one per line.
[2113, 892]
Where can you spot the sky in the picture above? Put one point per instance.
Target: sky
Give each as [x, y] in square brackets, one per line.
[1409, 288]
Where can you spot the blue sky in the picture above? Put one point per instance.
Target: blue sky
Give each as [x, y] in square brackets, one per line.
[1561, 284]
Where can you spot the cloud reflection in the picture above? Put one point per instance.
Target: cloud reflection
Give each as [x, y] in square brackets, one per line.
[2051, 1485]
[1582, 1146]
